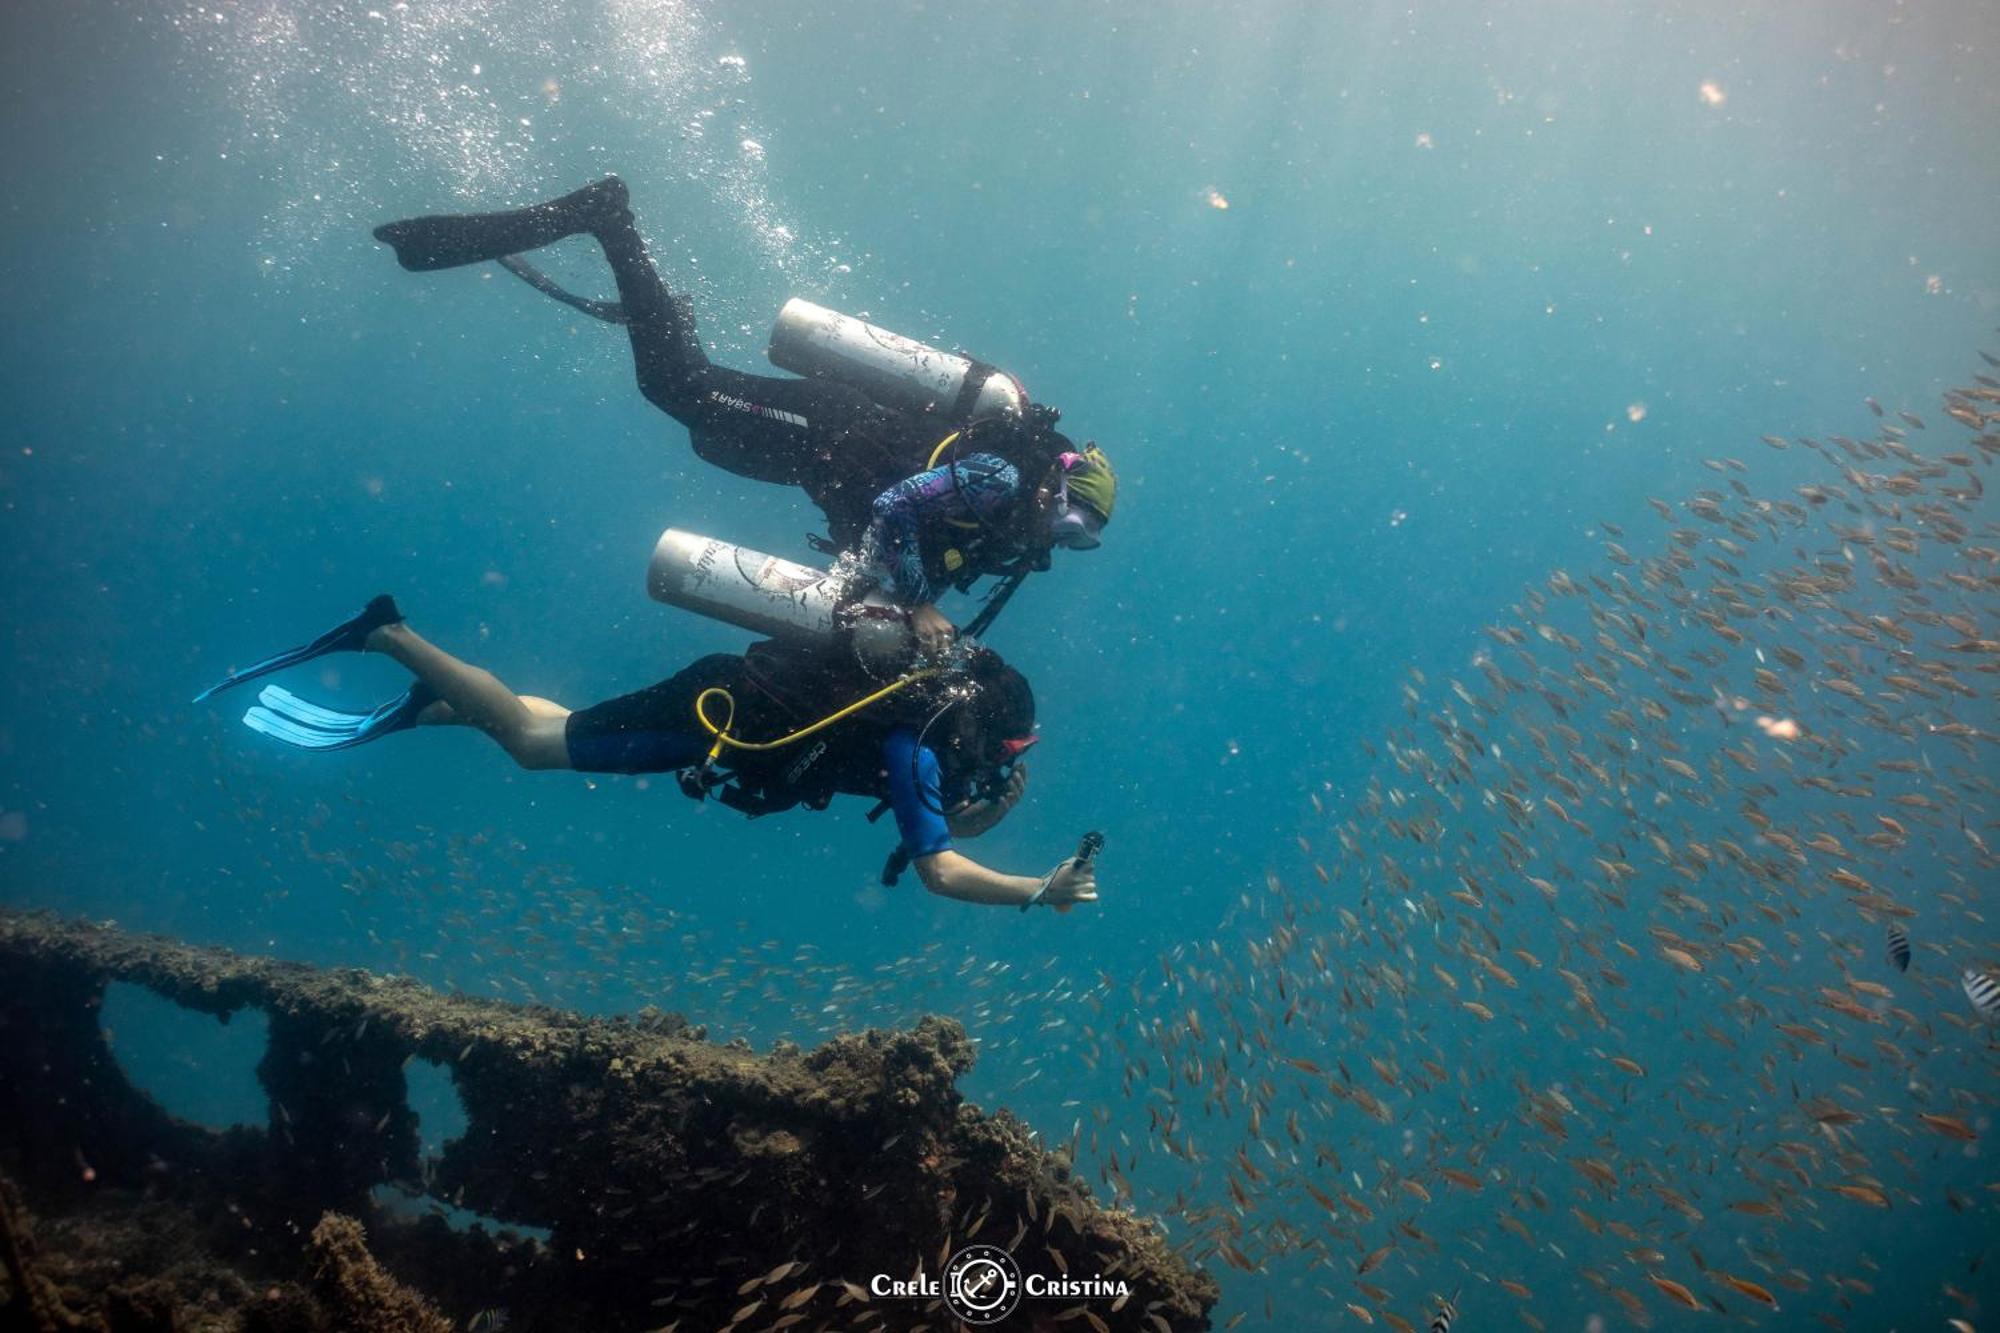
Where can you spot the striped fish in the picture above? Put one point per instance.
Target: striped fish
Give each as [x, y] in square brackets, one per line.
[1984, 992]
[1897, 946]
[1446, 1312]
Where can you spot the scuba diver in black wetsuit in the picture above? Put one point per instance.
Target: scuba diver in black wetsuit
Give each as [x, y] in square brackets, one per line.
[932, 499]
[779, 726]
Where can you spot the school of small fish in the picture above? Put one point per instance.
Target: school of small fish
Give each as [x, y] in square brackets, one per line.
[1707, 836]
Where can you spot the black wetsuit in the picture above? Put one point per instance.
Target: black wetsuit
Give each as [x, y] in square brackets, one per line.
[844, 449]
[835, 442]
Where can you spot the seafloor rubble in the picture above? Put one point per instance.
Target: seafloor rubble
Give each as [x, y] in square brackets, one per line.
[678, 1181]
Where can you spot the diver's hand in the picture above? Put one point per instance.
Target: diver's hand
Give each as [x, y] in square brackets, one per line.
[933, 632]
[1070, 883]
[976, 817]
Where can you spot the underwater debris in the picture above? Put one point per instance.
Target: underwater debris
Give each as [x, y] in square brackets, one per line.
[354, 1285]
[670, 1172]
[32, 1301]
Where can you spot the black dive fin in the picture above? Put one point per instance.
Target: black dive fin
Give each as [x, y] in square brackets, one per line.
[454, 240]
[349, 636]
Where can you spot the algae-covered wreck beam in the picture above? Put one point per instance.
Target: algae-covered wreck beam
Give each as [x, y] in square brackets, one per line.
[671, 1171]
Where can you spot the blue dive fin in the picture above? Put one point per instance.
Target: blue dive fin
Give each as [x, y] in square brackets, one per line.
[304, 725]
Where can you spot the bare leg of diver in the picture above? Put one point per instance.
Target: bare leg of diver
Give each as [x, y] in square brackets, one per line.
[530, 730]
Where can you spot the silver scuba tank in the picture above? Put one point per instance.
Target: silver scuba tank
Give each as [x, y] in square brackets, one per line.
[893, 370]
[768, 595]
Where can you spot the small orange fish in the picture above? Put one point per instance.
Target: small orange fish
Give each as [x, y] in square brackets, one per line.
[1675, 1290]
[1748, 1288]
[1949, 1125]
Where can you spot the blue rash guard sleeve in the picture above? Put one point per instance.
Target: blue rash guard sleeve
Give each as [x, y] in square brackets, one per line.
[975, 488]
[916, 793]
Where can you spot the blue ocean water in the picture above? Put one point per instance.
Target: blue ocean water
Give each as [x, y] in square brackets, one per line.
[1384, 312]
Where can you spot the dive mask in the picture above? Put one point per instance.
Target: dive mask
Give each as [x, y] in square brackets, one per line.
[1075, 526]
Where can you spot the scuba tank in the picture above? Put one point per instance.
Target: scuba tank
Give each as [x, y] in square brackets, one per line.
[774, 597]
[970, 396]
[893, 370]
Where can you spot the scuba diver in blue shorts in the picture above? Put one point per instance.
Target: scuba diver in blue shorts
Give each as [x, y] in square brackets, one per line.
[781, 725]
[936, 470]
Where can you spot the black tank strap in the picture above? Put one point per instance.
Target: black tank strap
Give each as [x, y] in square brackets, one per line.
[976, 376]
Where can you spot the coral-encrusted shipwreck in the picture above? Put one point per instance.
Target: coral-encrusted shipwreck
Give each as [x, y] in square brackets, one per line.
[673, 1176]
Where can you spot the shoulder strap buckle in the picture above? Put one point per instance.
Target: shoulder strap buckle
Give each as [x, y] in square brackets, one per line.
[698, 780]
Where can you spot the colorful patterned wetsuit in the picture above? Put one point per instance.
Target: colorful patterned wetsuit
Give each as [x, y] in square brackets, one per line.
[977, 489]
